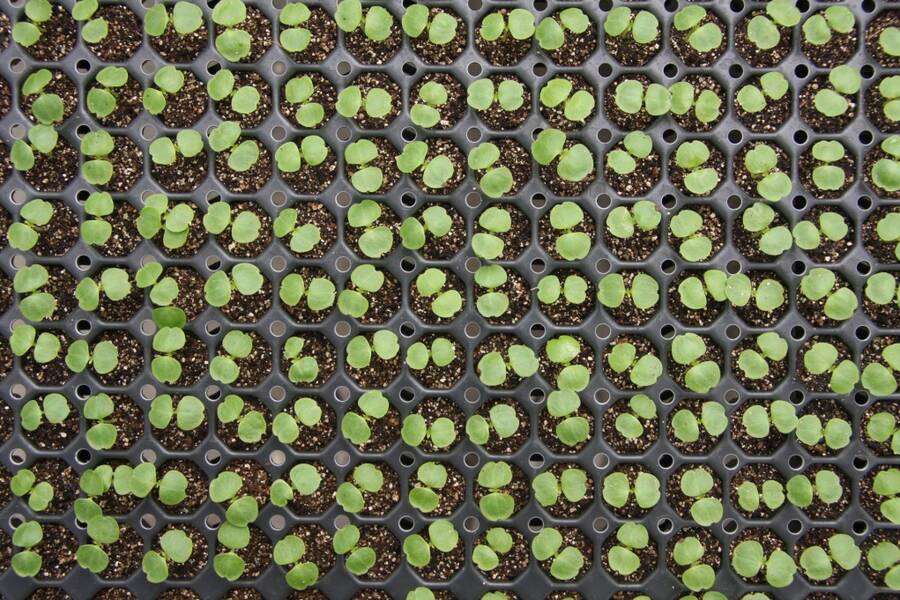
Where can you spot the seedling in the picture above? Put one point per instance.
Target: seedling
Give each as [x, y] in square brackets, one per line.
[362, 153]
[835, 433]
[819, 28]
[51, 408]
[767, 295]
[885, 556]
[565, 218]
[365, 478]
[822, 284]
[97, 231]
[826, 487]
[375, 21]
[882, 427]
[697, 483]
[242, 155]
[833, 101]
[509, 94]
[163, 292]
[47, 108]
[773, 240]
[642, 371]
[496, 505]
[300, 90]
[102, 99]
[355, 426]
[705, 104]
[236, 345]
[233, 43]
[175, 547]
[251, 425]
[885, 175]
[95, 29]
[571, 485]
[426, 112]
[303, 236]
[40, 138]
[754, 362]
[686, 426]
[187, 415]
[28, 31]
[166, 152]
[501, 421]
[173, 221]
[294, 36]
[436, 172]
[446, 302]
[493, 367]
[376, 104]
[574, 163]
[34, 303]
[384, 344]
[693, 157]
[497, 542]
[286, 425]
[704, 37]
[425, 495]
[492, 303]
[880, 379]
[831, 226]
[98, 411]
[494, 220]
[517, 24]
[114, 283]
[441, 27]
[434, 220]
[624, 221]
[103, 357]
[567, 561]
[44, 347]
[576, 107]
[612, 291]
[234, 533]
[166, 343]
[763, 30]
[102, 531]
[755, 98]
[573, 289]
[245, 278]
[27, 562]
[497, 180]
[416, 429]
[551, 32]
[564, 350]
[359, 559]
[617, 490]
[244, 100]
[889, 90]
[758, 420]
[377, 239]
[629, 422]
[186, 18]
[245, 225]
[622, 558]
[318, 294]
[688, 552]
[290, 551]
[572, 429]
[637, 146]
[305, 480]
[632, 96]
[886, 486]
[761, 161]
[827, 176]
[641, 25]
[38, 494]
[442, 536]
[98, 145]
[694, 292]
[367, 279]
[751, 497]
[749, 560]
[442, 352]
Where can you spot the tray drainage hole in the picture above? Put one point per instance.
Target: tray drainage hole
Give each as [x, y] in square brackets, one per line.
[861, 398]
[18, 197]
[796, 462]
[667, 331]
[279, 198]
[213, 393]
[406, 523]
[540, 4]
[730, 462]
[538, 201]
[342, 264]
[212, 522]
[666, 461]
[277, 522]
[83, 456]
[342, 393]
[148, 327]
[732, 397]
[474, 69]
[408, 134]
[148, 521]
[17, 456]
[800, 137]
[342, 199]
[604, 201]
[342, 458]
[868, 5]
[867, 71]
[15, 520]
[472, 330]
[600, 525]
[341, 521]
[470, 524]
[668, 266]
[148, 456]
[733, 332]
[17, 391]
[604, 70]
[410, 69]
[407, 459]
[148, 392]
[17, 65]
[798, 267]
[796, 397]
[212, 457]
[83, 262]
[798, 332]
[343, 68]
[863, 268]
[473, 134]
[535, 524]
[278, 67]
[342, 329]
[601, 461]
[671, 5]
[667, 396]
[276, 458]
[860, 527]
[736, 71]
[864, 203]
[213, 263]
[671, 70]
[278, 133]
[277, 394]
[862, 333]
[801, 71]
[17, 131]
[407, 265]
[408, 200]
[277, 328]
[794, 526]
[734, 202]
[538, 331]
[539, 69]
[601, 396]
[729, 526]
[83, 66]
[471, 460]
[407, 329]
[343, 134]
[536, 395]
[865, 137]
[737, 6]
[664, 526]
[212, 327]
[603, 331]
[860, 463]
[536, 460]
[472, 395]
[407, 394]
[603, 266]
[735, 136]
[83, 391]
[538, 266]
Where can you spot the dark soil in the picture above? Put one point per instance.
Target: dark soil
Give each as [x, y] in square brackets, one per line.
[820, 383]
[755, 56]
[301, 312]
[185, 107]
[778, 370]
[316, 214]
[754, 446]
[125, 554]
[320, 500]
[131, 358]
[53, 172]
[715, 161]
[757, 474]
[124, 36]
[184, 175]
[369, 81]
[886, 19]
[508, 445]
[174, 439]
[318, 346]
[59, 235]
[129, 104]
[691, 57]
[194, 361]
[323, 38]
[61, 86]
[384, 161]
[646, 175]
[324, 93]
[832, 251]
[517, 292]
[618, 442]
[228, 432]
[440, 54]
[251, 180]
[58, 36]
[512, 563]
[124, 237]
[196, 492]
[57, 549]
[314, 439]
[649, 557]
[448, 245]
[817, 121]
[259, 27]
[752, 315]
[127, 160]
[505, 51]
[498, 118]
[114, 593]
[7, 421]
[772, 117]
[514, 157]
[441, 378]
[263, 108]
[310, 180]
[455, 107]
[176, 48]
[199, 554]
[64, 480]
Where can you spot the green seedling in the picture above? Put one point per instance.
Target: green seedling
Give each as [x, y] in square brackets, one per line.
[496, 505]
[185, 18]
[706, 105]
[226, 137]
[98, 412]
[889, 90]
[361, 350]
[163, 292]
[697, 484]
[103, 531]
[759, 419]
[573, 289]
[35, 302]
[37, 494]
[233, 43]
[434, 220]
[493, 368]
[574, 163]
[754, 99]
[834, 101]
[166, 151]
[622, 558]
[702, 37]
[440, 27]
[835, 433]
[361, 153]
[880, 378]
[167, 342]
[749, 560]
[618, 490]
[98, 146]
[823, 358]
[509, 94]
[493, 302]
[303, 237]
[488, 244]
[175, 548]
[304, 413]
[29, 30]
[636, 146]
[551, 32]
[376, 104]
[488, 554]
[441, 432]
[318, 294]
[26, 562]
[629, 422]
[43, 347]
[442, 352]
[751, 497]
[290, 552]
[566, 561]
[572, 428]
[446, 302]
[52, 409]
[244, 100]
[565, 218]
[96, 231]
[696, 291]
[643, 292]
[753, 362]
[886, 487]
[884, 559]
[436, 171]
[501, 421]
[425, 495]
[367, 279]
[885, 174]
[825, 487]
[173, 221]
[377, 240]
[295, 36]
[576, 107]
[375, 21]
[366, 478]
[759, 220]
[442, 537]
[688, 552]
[766, 295]
[95, 29]
[633, 95]
[358, 559]
[692, 157]
[518, 24]
[251, 424]
[356, 424]
[300, 91]
[763, 30]
[571, 486]
[40, 138]
[432, 97]
[236, 346]
[187, 415]
[820, 27]
[102, 99]
[822, 284]
[642, 371]
[103, 357]
[114, 284]
[497, 179]
[831, 226]
[244, 225]
[245, 279]
[687, 427]
[305, 480]
[641, 25]
[882, 428]
[46, 108]
[624, 221]
[761, 161]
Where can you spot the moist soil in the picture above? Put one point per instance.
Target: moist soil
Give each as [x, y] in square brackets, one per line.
[514, 157]
[129, 103]
[194, 361]
[636, 248]
[386, 547]
[562, 187]
[818, 510]
[124, 36]
[649, 556]
[627, 313]
[630, 510]
[647, 173]
[442, 147]
[60, 85]
[53, 172]
[131, 358]
[771, 118]
[255, 479]
[440, 54]
[547, 235]
[385, 161]
[716, 161]
[517, 291]
[228, 432]
[876, 537]
[5, 33]
[767, 538]
[817, 121]
[125, 554]
[755, 56]
[174, 439]
[618, 442]
[677, 371]
[836, 51]
[814, 311]
[53, 373]
[443, 565]
[577, 48]
[5, 492]
[565, 509]
[562, 312]
[826, 410]
[199, 554]
[383, 304]
[879, 448]
[59, 235]
[626, 121]
[430, 409]
[630, 53]
[176, 48]
[5, 221]
[249, 249]
[257, 554]
[705, 442]
[310, 180]
[806, 164]
[323, 37]
[519, 488]
[249, 309]
[301, 312]
[124, 236]
[57, 548]
[555, 115]
[315, 438]
[452, 495]
[517, 238]
[689, 121]
[455, 107]
[832, 251]
[112, 503]
[886, 19]
[873, 156]
[7, 292]
[255, 367]
[317, 346]
[119, 311]
[251, 180]
[506, 50]
[498, 118]
[54, 436]
[572, 537]
[702, 317]
[421, 305]
[196, 492]
[712, 553]
[316, 214]
[127, 160]
[64, 480]
[384, 431]
[752, 315]
[820, 383]
[128, 419]
[320, 500]
[184, 175]
[778, 369]
[547, 424]
[58, 36]
[60, 284]
[370, 52]
[499, 342]
[242, 594]
[369, 81]
[263, 108]
[190, 298]
[7, 420]
[508, 445]
[185, 107]
[324, 94]
[512, 563]
[260, 29]
[448, 245]
[691, 57]
[643, 347]
[757, 474]
[754, 446]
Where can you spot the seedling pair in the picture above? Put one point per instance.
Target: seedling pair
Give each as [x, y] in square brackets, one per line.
[366, 478]
[303, 237]
[573, 163]
[439, 28]
[425, 496]
[432, 97]
[497, 179]
[494, 220]
[442, 537]
[375, 22]
[565, 561]
[642, 371]
[643, 292]
[300, 91]
[367, 280]
[377, 239]
[622, 558]
[833, 101]
[831, 226]
[185, 18]
[687, 426]
[493, 368]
